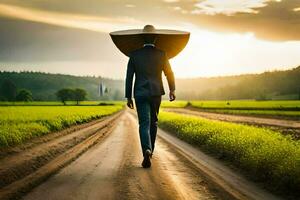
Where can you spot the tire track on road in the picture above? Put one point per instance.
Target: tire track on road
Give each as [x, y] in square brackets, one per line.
[112, 170]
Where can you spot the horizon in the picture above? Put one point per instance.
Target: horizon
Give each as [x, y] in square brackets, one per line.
[228, 38]
[179, 78]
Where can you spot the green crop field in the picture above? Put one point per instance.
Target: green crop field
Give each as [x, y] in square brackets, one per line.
[264, 154]
[269, 113]
[282, 109]
[58, 103]
[248, 105]
[20, 123]
[285, 109]
[173, 104]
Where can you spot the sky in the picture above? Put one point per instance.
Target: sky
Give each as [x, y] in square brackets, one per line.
[228, 37]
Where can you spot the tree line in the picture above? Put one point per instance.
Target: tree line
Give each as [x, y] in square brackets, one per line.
[284, 84]
[10, 92]
[265, 86]
[43, 86]
[274, 85]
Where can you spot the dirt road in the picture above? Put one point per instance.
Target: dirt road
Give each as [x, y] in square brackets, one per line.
[111, 170]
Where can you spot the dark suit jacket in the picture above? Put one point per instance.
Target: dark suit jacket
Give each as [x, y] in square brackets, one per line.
[147, 64]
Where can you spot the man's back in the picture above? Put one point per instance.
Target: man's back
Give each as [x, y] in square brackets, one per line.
[147, 64]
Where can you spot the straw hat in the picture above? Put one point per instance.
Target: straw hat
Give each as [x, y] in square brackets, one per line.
[170, 41]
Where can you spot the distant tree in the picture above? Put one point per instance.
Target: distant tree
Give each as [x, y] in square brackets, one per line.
[8, 90]
[79, 95]
[24, 95]
[262, 96]
[65, 94]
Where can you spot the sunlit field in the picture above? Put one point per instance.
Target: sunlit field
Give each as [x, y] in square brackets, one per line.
[58, 103]
[264, 154]
[248, 105]
[20, 123]
[173, 104]
[285, 109]
[237, 104]
[266, 113]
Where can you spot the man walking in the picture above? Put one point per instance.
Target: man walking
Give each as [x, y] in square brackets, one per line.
[147, 64]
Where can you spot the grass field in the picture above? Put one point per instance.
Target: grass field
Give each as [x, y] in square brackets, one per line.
[264, 154]
[285, 109]
[58, 103]
[271, 113]
[248, 105]
[173, 104]
[282, 109]
[20, 123]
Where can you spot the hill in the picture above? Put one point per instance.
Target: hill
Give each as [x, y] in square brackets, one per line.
[268, 85]
[43, 85]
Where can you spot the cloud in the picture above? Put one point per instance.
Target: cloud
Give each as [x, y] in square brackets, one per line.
[130, 6]
[55, 35]
[170, 1]
[93, 23]
[228, 7]
[27, 45]
[268, 19]
[25, 41]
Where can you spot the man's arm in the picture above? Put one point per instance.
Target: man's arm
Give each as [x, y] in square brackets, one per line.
[170, 77]
[128, 84]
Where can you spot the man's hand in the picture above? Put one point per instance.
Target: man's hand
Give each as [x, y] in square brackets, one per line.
[130, 103]
[172, 96]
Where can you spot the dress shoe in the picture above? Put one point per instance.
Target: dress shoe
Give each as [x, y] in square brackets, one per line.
[146, 162]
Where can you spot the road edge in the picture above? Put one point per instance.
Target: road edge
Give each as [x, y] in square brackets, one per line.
[18, 188]
[234, 185]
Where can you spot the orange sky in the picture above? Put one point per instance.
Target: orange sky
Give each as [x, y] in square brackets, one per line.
[227, 37]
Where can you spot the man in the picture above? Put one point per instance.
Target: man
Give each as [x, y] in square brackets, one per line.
[147, 64]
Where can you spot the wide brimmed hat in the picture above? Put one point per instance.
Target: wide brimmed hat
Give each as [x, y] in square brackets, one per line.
[170, 41]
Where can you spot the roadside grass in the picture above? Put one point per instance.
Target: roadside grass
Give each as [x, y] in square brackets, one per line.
[248, 105]
[271, 113]
[265, 155]
[21, 123]
[173, 104]
[280, 109]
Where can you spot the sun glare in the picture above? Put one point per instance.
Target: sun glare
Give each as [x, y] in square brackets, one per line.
[229, 7]
[212, 54]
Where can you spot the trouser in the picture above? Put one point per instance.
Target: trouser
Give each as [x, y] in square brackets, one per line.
[147, 110]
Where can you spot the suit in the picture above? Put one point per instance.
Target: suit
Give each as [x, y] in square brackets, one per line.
[147, 65]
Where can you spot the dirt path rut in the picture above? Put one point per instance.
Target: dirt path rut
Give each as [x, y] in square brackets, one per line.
[112, 170]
